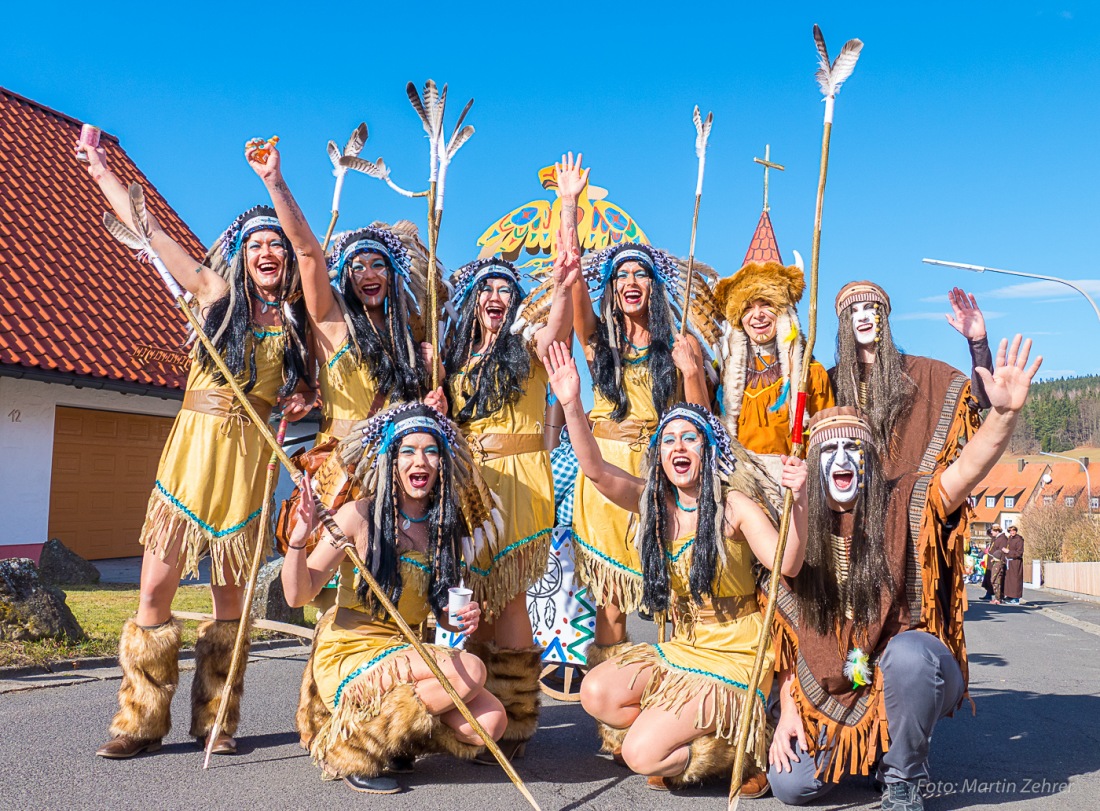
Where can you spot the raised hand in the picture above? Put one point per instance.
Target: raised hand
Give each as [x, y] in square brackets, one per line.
[567, 264]
[571, 178]
[966, 316]
[97, 159]
[686, 354]
[263, 156]
[564, 380]
[794, 474]
[436, 399]
[1008, 385]
[306, 514]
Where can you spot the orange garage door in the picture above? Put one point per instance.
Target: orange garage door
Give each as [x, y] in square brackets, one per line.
[104, 466]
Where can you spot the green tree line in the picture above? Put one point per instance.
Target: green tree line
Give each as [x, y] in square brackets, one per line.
[1060, 415]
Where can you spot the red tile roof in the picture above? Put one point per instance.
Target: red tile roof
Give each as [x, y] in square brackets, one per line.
[1068, 479]
[763, 247]
[1006, 479]
[73, 301]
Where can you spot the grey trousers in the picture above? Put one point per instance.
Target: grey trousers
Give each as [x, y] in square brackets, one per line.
[921, 684]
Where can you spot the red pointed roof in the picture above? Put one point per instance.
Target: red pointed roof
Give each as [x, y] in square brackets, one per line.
[763, 247]
[74, 303]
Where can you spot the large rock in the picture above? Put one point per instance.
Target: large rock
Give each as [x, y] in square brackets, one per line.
[269, 602]
[29, 609]
[60, 566]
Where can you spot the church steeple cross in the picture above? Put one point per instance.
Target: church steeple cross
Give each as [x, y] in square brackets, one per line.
[767, 164]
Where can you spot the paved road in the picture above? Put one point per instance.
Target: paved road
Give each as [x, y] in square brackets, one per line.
[1034, 744]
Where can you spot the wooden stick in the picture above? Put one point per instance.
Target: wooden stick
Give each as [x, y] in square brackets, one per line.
[265, 625]
[258, 556]
[331, 228]
[431, 308]
[349, 549]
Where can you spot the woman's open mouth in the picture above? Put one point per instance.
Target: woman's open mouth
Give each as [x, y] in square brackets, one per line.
[495, 312]
[633, 297]
[681, 464]
[269, 268]
[419, 481]
[866, 326]
[371, 290]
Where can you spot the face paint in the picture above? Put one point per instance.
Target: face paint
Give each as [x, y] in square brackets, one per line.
[418, 464]
[494, 297]
[842, 470]
[759, 322]
[369, 279]
[865, 319]
[633, 283]
[681, 453]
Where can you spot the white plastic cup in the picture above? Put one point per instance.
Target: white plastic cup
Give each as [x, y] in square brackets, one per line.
[457, 598]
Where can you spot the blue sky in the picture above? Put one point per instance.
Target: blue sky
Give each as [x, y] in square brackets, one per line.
[967, 133]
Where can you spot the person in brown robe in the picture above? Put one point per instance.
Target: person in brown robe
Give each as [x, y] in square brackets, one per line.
[1014, 567]
[870, 641]
[993, 582]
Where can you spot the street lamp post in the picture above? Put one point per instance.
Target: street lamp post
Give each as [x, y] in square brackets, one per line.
[1084, 467]
[983, 269]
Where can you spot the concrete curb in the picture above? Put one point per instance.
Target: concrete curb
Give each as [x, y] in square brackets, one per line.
[75, 666]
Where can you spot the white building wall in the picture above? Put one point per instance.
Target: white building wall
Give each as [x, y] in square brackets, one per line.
[27, 410]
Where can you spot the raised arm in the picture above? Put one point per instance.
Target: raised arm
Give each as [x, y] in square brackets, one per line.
[194, 277]
[746, 516]
[688, 357]
[967, 318]
[318, 293]
[567, 263]
[1007, 391]
[613, 482]
[571, 182]
[304, 576]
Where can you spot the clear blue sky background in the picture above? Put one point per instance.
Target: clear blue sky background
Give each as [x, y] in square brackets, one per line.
[968, 132]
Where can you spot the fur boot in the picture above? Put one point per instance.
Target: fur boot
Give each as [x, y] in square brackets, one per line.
[445, 741]
[513, 677]
[312, 712]
[149, 658]
[710, 756]
[611, 739]
[213, 652]
[365, 747]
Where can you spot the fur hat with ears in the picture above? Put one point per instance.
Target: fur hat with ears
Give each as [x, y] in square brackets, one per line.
[782, 287]
[779, 285]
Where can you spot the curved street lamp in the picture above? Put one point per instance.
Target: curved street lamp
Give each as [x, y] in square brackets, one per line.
[983, 269]
[1084, 467]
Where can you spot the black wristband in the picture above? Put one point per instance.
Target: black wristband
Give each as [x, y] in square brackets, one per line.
[296, 548]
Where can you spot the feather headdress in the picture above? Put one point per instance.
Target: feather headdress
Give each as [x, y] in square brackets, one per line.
[368, 448]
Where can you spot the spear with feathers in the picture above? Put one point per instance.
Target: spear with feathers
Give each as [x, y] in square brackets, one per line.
[830, 76]
[352, 149]
[138, 238]
[430, 106]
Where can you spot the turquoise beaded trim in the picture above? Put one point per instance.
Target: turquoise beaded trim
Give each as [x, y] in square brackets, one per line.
[684, 548]
[259, 335]
[604, 556]
[700, 672]
[415, 563]
[340, 353]
[361, 670]
[217, 533]
[506, 550]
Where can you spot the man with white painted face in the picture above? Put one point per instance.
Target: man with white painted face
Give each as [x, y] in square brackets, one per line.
[912, 403]
[870, 643]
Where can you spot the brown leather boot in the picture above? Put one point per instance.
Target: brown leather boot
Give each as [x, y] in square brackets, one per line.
[123, 746]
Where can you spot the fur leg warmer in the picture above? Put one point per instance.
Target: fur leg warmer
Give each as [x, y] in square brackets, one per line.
[513, 677]
[213, 652]
[312, 712]
[149, 658]
[445, 741]
[710, 756]
[365, 745]
[611, 738]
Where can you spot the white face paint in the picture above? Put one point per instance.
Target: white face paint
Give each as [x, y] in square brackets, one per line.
[865, 322]
[840, 470]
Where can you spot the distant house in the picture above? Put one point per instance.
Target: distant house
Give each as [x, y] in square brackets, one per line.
[1069, 487]
[92, 358]
[1003, 494]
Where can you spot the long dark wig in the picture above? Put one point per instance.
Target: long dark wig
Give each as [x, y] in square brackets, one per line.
[228, 321]
[391, 356]
[500, 376]
[654, 524]
[822, 600]
[609, 346]
[889, 389]
[444, 530]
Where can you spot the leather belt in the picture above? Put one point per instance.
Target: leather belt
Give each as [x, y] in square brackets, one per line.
[487, 447]
[634, 432]
[222, 403]
[716, 610]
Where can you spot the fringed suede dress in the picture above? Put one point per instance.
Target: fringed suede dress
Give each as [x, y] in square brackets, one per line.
[509, 447]
[712, 648]
[608, 561]
[210, 483]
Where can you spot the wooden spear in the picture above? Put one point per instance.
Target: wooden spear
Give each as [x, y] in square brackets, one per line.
[141, 242]
[339, 169]
[830, 77]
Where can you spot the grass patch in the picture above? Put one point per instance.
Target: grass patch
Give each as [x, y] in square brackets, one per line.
[101, 610]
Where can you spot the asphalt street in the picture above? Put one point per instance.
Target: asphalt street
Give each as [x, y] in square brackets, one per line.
[1033, 744]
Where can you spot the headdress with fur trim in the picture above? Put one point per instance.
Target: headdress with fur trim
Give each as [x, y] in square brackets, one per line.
[782, 287]
[463, 518]
[228, 321]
